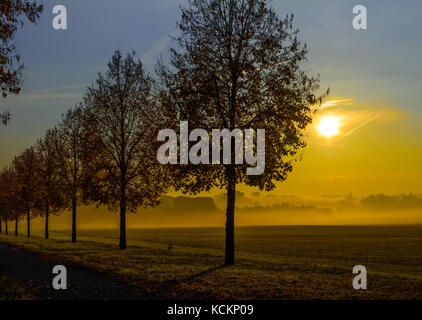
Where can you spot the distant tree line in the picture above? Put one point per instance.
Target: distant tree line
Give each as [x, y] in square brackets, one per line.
[235, 65]
[392, 202]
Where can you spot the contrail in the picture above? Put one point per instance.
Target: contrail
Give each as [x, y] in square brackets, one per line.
[327, 25]
[76, 86]
[361, 125]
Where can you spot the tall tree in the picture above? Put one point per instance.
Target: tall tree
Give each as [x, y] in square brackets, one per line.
[11, 206]
[4, 210]
[120, 116]
[27, 181]
[6, 185]
[67, 143]
[237, 65]
[50, 194]
[13, 14]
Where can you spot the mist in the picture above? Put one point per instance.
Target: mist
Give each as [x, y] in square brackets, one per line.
[254, 209]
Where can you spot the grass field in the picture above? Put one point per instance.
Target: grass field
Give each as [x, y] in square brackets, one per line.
[272, 262]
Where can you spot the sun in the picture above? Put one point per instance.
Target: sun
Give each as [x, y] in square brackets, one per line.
[329, 126]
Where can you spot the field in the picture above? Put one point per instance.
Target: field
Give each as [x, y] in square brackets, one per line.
[10, 290]
[272, 262]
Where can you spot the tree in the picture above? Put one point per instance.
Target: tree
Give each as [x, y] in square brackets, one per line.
[10, 205]
[5, 184]
[68, 146]
[50, 194]
[27, 182]
[13, 14]
[4, 212]
[120, 115]
[237, 65]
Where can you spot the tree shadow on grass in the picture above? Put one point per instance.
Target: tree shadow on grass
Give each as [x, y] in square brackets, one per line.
[196, 276]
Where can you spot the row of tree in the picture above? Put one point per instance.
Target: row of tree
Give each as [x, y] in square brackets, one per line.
[235, 65]
[100, 152]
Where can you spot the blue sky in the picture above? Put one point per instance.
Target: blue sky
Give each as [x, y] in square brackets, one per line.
[377, 67]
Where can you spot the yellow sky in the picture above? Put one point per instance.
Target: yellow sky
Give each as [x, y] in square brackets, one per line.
[376, 148]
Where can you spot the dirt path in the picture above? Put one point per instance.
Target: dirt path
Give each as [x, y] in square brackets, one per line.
[35, 275]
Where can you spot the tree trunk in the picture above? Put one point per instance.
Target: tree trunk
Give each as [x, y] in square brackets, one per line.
[122, 243]
[7, 231]
[46, 221]
[74, 219]
[0, 227]
[231, 193]
[16, 225]
[28, 219]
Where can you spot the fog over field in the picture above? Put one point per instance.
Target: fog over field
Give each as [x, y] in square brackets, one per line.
[256, 209]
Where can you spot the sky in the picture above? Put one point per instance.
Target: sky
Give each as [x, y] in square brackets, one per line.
[374, 111]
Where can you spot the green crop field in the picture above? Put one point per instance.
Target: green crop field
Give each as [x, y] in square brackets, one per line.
[272, 262]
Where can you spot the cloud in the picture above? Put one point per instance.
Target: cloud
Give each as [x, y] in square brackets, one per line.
[70, 92]
[351, 117]
[336, 102]
[63, 88]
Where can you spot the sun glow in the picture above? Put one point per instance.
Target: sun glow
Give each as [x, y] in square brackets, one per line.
[329, 126]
